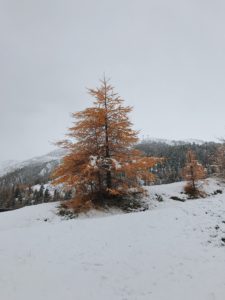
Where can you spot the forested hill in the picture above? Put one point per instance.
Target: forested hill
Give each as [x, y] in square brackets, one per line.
[16, 184]
[175, 156]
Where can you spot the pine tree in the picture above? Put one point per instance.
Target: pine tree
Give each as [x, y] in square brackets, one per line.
[192, 172]
[56, 196]
[47, 196]
[40, 194]
[68, 195]
[101, 163]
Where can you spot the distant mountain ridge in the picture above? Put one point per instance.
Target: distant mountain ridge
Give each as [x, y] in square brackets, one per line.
[7, 166]
[56, 155]
[19, 178]
[173, 142]
[38, 170]
[12, 165]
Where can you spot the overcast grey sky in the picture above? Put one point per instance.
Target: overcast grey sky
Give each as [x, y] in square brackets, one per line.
[165, 58]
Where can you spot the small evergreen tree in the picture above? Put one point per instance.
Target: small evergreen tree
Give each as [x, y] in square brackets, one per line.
[47, 196]
[68, 195]
[40, 195]
[56, 196]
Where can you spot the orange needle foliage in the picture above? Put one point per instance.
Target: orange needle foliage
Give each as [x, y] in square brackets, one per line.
[192, 172]
[219, 161]
[101, 163]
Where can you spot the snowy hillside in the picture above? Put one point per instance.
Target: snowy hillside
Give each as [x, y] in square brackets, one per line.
[175, 251]
[7, 166]
[11, 165]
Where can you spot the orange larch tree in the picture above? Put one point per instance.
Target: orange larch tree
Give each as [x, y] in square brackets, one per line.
[101, 163]
[219, 161]
[192, 172]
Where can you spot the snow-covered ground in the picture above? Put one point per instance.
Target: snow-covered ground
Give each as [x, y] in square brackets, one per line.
[172, 251]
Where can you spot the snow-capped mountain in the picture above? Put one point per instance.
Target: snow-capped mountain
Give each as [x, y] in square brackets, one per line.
[173, 142]
[12, 165]
[7, 166]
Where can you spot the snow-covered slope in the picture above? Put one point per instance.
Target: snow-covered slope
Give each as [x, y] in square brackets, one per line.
[10, 166]
[173, 251]
[7, 166]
